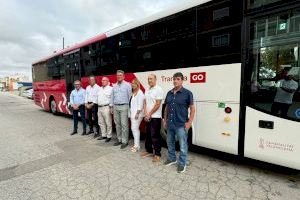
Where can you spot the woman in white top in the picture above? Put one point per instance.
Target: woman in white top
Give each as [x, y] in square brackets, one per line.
[136, 113]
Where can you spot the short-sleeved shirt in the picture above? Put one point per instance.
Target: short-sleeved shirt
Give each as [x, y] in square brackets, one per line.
[284, 96]
[104, 95]
[151, 95]
[121, 93]
[178, 106]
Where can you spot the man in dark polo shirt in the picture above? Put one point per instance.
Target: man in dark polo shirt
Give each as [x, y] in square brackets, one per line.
[177, 120]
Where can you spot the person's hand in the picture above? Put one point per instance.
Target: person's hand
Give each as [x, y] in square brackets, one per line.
[75, 107]
[90, 106]
[147, 117]
[187, 126]
[136, 116]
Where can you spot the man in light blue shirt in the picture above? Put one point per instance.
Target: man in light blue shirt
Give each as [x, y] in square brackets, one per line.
[121, 94]
[77, 99]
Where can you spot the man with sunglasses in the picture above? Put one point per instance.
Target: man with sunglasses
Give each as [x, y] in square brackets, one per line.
[77, 99]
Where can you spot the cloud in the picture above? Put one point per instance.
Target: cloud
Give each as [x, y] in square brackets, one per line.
[33, 29]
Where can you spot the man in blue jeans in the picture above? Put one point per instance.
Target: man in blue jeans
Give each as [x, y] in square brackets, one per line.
[177, 120]
[77, 98]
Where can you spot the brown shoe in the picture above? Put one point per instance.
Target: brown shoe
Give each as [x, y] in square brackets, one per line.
[145, 154]
[156, 159]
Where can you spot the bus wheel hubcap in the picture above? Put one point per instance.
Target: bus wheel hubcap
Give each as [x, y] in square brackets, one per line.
[53, 106]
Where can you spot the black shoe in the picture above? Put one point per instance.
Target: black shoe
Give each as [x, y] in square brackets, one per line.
[170, 162]
[123, 146]
[117, 143]
[74, 132]
[108, 139]
[181, 169]
[101, 138]
[90, 132]
[96, 135]
[83, 133]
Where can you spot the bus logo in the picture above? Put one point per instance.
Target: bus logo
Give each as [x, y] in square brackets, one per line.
[261, 143]
[198, 77]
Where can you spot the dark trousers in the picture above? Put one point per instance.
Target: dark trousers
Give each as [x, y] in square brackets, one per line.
[81, 110]
[282, 107]
[153, 137]
[93, 117]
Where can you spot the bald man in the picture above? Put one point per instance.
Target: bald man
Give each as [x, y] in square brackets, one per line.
[104, 115]
[153, 114]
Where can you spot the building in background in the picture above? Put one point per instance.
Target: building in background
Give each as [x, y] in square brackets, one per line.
[12, 82]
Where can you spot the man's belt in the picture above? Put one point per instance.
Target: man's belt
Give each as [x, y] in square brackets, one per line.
[103, 105]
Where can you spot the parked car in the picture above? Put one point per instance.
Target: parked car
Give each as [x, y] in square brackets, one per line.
[28, 93]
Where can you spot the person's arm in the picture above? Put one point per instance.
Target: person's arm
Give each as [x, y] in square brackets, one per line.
[165, 116]
[84, 95]
[188, 124]
[109, 94]
[71, 99]
[98, 97]
[155, 107]
[85, 99]
[145, 109]
[129, 92]
[111, 104]
[140, 102]
[159, 97]
[288, 90]
[140, 105]
[97, 94]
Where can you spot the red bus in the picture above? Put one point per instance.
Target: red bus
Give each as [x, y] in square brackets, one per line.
[231, 53]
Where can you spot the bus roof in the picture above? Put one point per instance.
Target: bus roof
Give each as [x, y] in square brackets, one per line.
[126, 27]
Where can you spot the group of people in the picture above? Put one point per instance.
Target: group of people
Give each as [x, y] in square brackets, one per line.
[124, 101]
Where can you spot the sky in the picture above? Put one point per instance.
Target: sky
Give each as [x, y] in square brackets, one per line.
[33, 29]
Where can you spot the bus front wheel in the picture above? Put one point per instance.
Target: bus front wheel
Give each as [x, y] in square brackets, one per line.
[53, 106]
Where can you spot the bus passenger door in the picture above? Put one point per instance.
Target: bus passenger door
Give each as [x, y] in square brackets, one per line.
[272, 126]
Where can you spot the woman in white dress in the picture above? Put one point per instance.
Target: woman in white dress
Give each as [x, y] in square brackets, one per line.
[136, 113]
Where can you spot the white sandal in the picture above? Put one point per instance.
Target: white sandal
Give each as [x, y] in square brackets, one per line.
[135, 149]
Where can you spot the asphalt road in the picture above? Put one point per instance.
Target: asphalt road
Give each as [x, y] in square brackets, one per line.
[40, 160]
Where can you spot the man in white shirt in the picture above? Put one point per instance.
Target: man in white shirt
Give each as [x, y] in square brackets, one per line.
[284, 95]
[104, 115]
[153, 114]
[91, 105]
